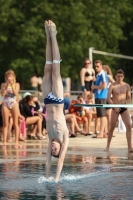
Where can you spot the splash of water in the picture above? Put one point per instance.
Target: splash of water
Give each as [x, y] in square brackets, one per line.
[42, 179]
[75, 177]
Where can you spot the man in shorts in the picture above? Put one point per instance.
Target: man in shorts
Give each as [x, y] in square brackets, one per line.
[120, 95]
[100, 91]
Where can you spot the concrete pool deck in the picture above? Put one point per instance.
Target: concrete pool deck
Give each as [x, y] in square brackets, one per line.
[84, 149]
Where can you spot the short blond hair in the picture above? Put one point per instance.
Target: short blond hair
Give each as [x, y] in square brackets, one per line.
[90, 96]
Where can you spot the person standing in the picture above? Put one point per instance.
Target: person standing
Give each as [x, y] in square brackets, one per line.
[9, 91]
[107, 69]
[100, 92]
[87, 76]
[120, 95]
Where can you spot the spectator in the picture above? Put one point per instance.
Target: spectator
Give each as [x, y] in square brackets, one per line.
[71, 119]
[107, 69]
[121, 94]
[79, 112]
[87, 76]
[10, 126]
[38, 110]
[9, 91]
[27, 110]
[91, 113]
[37, 106]
[101, 90]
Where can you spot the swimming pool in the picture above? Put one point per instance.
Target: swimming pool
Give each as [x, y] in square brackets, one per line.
[26, 180]
[88, 173]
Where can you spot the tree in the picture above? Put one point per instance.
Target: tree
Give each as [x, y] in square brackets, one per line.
[100, 24]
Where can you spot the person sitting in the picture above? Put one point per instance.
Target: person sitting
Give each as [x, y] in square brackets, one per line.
[71, 119]
[79, 113]
[27, 110]
[38, 110]
[91, 113]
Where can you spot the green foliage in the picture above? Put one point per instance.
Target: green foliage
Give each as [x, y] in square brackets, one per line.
[104, 25]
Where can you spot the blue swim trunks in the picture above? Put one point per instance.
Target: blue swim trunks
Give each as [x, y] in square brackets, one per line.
[51, 99]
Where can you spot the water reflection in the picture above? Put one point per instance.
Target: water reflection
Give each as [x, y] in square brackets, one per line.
[57, 191]
[115, 160]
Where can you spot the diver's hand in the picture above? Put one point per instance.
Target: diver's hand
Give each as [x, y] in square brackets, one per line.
[56, 180]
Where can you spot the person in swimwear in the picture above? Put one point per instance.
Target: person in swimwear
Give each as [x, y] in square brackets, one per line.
[120, 95]
[52, 89]
[9, 91]
[87, 76]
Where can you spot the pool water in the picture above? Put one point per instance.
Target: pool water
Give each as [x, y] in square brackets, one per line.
[79, 180]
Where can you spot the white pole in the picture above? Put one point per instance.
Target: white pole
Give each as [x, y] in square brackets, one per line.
[91, 55]
[112, 54]
[106, 105]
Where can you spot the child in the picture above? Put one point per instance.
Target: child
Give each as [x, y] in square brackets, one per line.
[91, 113]
[79, 113]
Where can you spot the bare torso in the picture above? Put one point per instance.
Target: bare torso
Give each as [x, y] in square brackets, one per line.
[119, 92]
[56, 123]
[90, 71]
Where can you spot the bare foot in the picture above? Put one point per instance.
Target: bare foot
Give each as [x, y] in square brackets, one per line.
[98, 136]
[105, 136]
[52, 28]
[107, 149]
[22, 139]
[86, 133]
[130, 150]
[46, 25]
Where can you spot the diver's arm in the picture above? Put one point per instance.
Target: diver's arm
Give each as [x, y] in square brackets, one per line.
[61, 159]
[48, 160]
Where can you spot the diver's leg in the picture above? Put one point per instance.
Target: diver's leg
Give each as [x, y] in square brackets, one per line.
[47, 79]
[57, 86]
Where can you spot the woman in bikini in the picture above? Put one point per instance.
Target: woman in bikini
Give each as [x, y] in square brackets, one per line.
[87, 76]
[53, 98]
[9, 91]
